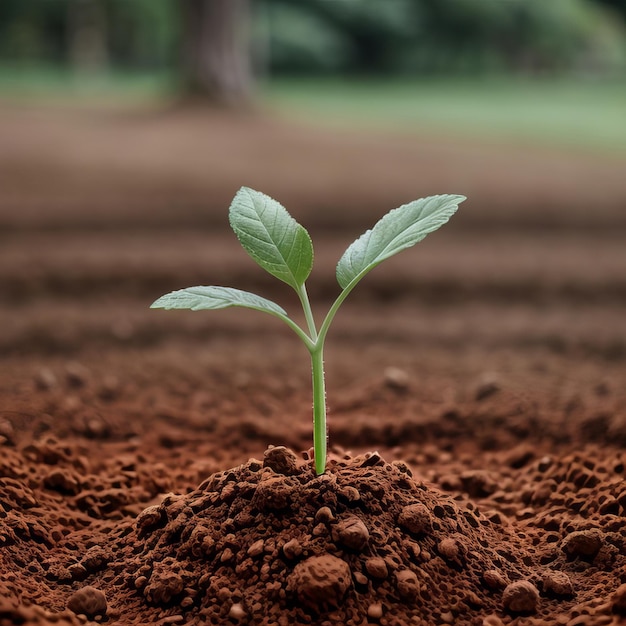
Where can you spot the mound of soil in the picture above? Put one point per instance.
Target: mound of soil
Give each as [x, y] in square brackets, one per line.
[273, 543]
[269, 542]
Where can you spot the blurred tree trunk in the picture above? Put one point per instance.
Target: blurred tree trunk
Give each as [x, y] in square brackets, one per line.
[216, 51]
[86, 22]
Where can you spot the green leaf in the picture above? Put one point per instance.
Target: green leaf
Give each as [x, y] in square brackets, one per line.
[400, 229]
[208, 298]
[272, 237]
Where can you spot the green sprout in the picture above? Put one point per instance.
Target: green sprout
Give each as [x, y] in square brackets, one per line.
[283, 248]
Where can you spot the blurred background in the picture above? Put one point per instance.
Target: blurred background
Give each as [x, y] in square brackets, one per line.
[127, 127]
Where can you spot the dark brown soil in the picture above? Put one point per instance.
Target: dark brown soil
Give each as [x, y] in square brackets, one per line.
[477, 405]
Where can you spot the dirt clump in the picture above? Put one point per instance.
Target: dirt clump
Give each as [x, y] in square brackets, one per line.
[256, 545]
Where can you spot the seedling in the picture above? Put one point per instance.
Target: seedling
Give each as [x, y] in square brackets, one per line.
[283, 248]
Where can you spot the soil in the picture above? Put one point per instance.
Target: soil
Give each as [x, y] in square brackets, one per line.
[155, 466]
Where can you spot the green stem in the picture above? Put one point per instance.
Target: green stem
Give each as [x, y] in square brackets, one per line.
[308, 313]
[319, 409]
[316, 348]
[321, 337]
[308, 342]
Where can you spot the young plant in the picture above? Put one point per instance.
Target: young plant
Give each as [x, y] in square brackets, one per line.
[283, 248]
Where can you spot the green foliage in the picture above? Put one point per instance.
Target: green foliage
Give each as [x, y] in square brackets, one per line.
[301, 41]
[272, 237]
[400, 229]
[141, 33]
[283, 248]
[527, 36]
[213, 298]
[348, 36]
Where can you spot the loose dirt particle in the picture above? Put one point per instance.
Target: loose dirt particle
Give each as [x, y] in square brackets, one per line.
[45, 379]
[583, 543]
[350, 494]
[415, 518]
[164, 585]
[324, 515]
[558, 584]
[351, 533]
[281, 460]
[77, 375]
[478, 483]
[273, 494]
[292, 549]
[407, 584]
[520, 597]
[452, 550]
[396, 379]
[376, 568]
[237, 612]
[150, 517]
[375, 611]
[256, 549]
[321, 581]
[88, 601]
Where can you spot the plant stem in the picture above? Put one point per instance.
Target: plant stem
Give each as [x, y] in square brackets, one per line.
[319, 385]
[308, 313]
[319, 409]
[321, 337]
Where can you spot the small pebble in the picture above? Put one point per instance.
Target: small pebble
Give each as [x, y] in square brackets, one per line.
[407, 584]
[324, 515]
[351, 494]
[88, 601]
[558, 584]
[45, 379]
[281, 460]
[237, 612]
[451, 550]
[376, 568]
[77, 571]
[76, 375]
[150, 517]
[140, 582]
[520, 597]
[256, 549]
[415, 518]
[486, 388]
[494, 579]
[396, 379]
[583, 543]
[321, 581]
[351, 533]
[375, 611]
[292, 549]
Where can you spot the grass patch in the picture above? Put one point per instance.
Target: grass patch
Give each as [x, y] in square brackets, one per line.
[565, 113]
[58, 85]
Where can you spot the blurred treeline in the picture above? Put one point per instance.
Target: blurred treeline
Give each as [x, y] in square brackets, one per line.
[383, 37]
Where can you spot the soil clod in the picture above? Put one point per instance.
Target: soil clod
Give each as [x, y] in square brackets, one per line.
[415, 518]
[583, 543]
[520, 597]
[558, 584]
[88, 601]
[321, 581]
[351, 533]
[281, 460]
